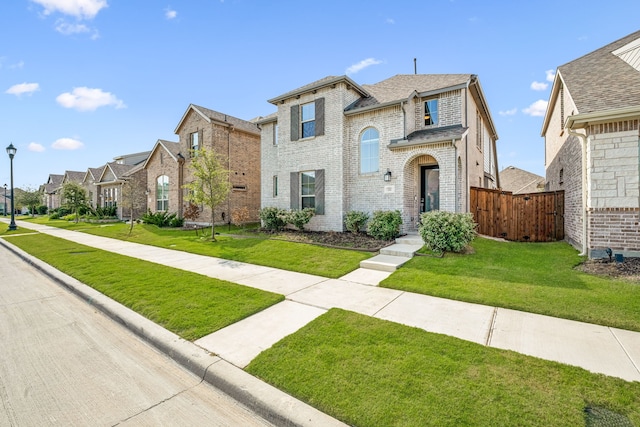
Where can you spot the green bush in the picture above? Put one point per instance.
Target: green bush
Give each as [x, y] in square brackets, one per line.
[176, 222]
[447, 231]
[274, 219]
[160, 219]
[355, 221]
[300, 217]
[42, 210]
[385, 225]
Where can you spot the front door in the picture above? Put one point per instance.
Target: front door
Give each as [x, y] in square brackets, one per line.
[429, 188]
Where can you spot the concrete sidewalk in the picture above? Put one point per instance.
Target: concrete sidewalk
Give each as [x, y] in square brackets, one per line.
[599, 349]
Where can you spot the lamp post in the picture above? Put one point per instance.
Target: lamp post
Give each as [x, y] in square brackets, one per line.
[4, 208]
[11, 151]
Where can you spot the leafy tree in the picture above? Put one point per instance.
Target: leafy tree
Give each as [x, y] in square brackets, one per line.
[31, 199]
[210, 186]
[74, 196]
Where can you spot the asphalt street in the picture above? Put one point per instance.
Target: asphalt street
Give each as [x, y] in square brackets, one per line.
[63, 362]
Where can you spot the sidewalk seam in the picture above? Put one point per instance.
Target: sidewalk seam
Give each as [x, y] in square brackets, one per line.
[494, 317]
[623, 348]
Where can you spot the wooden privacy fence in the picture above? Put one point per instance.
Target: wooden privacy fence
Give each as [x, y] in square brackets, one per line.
[532, 217]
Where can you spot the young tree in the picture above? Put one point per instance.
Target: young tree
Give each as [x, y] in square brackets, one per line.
[31, 199]
[210, 185]
[74, 196]
[133, 198]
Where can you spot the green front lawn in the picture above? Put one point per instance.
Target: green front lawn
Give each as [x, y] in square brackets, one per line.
[533, 277]
[188, 304]
[369, 372]
[300, 257]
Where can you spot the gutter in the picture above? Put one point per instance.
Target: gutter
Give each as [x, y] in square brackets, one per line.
[583, 143]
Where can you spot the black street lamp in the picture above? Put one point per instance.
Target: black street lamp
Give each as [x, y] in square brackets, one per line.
[11, 151]
[4, 208]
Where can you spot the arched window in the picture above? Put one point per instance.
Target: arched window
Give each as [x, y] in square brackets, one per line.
[369, 151]
[162, 193]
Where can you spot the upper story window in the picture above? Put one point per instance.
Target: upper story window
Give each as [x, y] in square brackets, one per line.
[194, 141]
[431, 112]
[308, 119]
[479, 131]
[369, 151]
[275, 134]
[162, 193]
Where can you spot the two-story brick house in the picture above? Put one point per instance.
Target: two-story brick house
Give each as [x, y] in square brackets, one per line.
[414, 143]
[164, 168]
[237, 142]
[592, 133]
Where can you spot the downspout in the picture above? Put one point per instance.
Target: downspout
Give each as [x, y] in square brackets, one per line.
[583, 143]
[466, 148]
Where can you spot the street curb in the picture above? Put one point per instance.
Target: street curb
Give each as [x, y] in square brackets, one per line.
[267, 401]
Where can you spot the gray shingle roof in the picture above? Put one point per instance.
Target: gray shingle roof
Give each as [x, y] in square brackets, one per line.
[519, 181]
[401, 86]
[326, 81]
[431, 136]
[75, 176]
[221, 117]
[171, 147]
[601, 81]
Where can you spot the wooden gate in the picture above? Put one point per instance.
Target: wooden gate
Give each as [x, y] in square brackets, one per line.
[532, 217]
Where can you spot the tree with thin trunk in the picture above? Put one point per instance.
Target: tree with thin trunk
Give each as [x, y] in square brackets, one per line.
[210, 186]
[31, 199]
[133, 198]
[74, 196]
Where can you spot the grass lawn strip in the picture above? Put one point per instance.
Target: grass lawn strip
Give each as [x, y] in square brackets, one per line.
[370, 372]
[188, 304]
[299, 257]
[533, 277]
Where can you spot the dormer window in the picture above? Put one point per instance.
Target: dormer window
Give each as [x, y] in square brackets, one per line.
[431, 112]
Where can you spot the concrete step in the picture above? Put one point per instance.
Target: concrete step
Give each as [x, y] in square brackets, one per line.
[401, 249]
[410, 239]
[384, 262]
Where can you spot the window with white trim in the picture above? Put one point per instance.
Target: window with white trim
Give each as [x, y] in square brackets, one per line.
[162, 193]
[369, 151]
[308, 119]
[307, 189]
[431, 112]
[194, 142]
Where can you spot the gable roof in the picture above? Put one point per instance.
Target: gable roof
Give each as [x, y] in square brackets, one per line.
[213, 116]
[116, 169]
[519, 181]
[73, 176]
[53, 183]
[602, 80]
[172, 148]
[93, 174]
[319, 84]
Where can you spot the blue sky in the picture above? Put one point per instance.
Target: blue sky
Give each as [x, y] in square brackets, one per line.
[83, 81]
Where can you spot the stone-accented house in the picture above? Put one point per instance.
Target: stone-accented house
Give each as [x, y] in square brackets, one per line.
[237, 142]
[592, 133]
[164, 168]
[412, 142]
[519, 181]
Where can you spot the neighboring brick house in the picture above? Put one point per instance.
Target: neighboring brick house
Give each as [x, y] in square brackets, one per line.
[164, 168]
[414, 143]
[90, 180]
[237, 142]
[519, 181]
[592, 133]
[51, 191]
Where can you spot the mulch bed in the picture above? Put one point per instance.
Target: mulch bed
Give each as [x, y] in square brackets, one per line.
[629, 269]
[359, 241]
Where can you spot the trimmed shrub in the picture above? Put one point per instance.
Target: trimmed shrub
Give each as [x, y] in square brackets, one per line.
[176, 222]
[42, 210]
[385, 225]
[274, 219]
[355, 221]
[300, 218]
[447, 231]
[160, 219]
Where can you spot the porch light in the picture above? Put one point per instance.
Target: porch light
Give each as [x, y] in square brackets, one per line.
[387, 176]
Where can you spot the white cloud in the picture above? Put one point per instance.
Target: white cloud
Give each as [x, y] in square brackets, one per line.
[81, 9]
[87, 99]
[34, 146]
[23, 88]
[67, 144]
[170, 14]
[537, 109]
[391, 21]
[551, 74]
[539, 86]
[65, 28]
[362, 65]
[510, 112]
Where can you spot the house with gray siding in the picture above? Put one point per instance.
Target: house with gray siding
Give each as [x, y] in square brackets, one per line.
[412, 143]
[592, 140]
